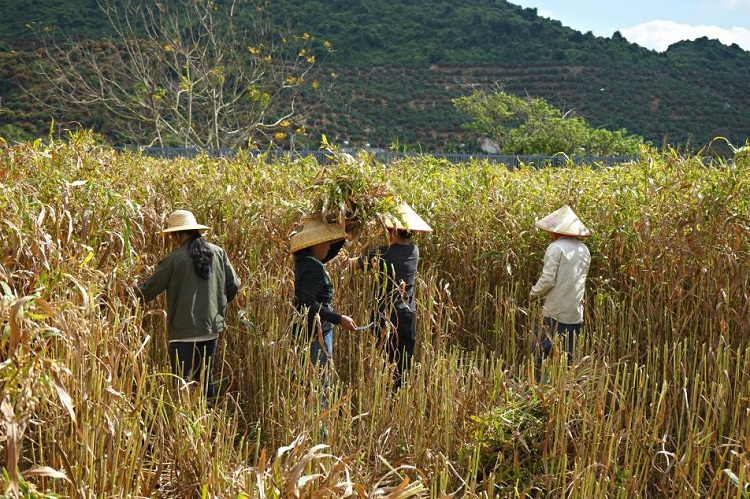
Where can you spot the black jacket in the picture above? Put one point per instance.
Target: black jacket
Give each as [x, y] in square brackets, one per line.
[313, 291]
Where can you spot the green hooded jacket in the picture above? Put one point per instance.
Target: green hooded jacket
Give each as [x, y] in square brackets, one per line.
[195, 306]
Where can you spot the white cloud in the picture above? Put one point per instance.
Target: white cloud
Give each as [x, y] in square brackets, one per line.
[732, 4]
[658, 35]
[548, 13]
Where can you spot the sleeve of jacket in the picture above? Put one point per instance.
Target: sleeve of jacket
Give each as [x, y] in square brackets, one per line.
[307, 282]
[158, 282]
[232, 281]
[549, 272]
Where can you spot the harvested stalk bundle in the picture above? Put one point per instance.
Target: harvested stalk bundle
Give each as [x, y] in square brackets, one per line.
[348, 191]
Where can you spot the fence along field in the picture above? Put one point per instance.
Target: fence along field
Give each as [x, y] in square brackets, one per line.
[655, 404]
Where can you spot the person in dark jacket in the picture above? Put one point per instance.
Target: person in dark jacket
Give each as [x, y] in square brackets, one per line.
[396, 267]
[313, 246]
[200, 282]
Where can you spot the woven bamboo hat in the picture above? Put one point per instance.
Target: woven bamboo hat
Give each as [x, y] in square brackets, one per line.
[315, 231]
[408, 220]
[182, 220]
[564, 222]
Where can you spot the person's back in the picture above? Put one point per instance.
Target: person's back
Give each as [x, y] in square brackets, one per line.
[398, 265]
[563, 281]
[200, 282]
[313, 291]
[196, 306]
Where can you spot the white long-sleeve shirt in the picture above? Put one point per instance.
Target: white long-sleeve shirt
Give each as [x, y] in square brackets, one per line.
[563, 280]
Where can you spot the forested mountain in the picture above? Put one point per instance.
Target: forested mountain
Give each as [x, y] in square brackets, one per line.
[396, 65]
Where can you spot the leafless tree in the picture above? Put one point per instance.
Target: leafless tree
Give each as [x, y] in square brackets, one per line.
[194, 73]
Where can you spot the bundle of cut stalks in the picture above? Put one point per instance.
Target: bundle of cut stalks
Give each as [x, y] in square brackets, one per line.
[346, 192]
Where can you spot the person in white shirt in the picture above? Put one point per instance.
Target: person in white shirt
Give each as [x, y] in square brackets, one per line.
[563, 281]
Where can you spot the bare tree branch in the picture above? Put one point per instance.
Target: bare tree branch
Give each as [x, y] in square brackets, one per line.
[185, 72]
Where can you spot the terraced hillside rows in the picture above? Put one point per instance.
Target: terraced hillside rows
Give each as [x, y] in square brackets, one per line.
[413, 105]
[398, 66]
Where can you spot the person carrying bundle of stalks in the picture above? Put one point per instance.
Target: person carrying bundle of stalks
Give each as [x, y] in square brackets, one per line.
[563, 282]
[396, 267]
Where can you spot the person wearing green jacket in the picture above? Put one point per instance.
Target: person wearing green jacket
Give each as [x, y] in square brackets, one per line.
[200, 282]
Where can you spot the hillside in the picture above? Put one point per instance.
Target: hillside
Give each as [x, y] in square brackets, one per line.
[398, 64]
[398, 74]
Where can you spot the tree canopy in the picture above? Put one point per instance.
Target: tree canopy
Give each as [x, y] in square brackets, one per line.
[530, 125]
[395, 68]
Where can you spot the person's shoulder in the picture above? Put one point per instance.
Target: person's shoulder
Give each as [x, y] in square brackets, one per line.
[406, 249]
[217, 250]
[174, 258]
[215, 247]
[569, 243]
[176, 254]
[308, 263]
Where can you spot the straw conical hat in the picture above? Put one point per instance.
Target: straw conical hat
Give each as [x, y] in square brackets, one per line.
[315, 231]
[182, 220]
[564, 222]
[407, 220]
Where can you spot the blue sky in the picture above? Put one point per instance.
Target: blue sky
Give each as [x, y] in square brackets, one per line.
[654, 24]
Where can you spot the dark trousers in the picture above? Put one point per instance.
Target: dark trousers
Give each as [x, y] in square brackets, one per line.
[550, 329]
[400, 346]
[190, 359]
[400, 351]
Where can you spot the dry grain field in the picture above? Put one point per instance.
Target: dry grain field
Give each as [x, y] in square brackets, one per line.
[655, 403]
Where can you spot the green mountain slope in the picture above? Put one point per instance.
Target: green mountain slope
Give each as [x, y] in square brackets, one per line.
[409, 32]
[398, 64]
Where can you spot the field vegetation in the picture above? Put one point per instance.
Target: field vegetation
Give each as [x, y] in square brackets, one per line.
[655, 403]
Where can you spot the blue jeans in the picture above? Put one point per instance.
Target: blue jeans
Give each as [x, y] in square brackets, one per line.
[318, 355]
[190, 358]
[568, 332]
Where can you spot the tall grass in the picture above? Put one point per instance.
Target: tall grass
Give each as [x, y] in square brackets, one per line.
[655, 403]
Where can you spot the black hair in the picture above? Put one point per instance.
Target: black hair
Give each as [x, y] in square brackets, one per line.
[406, 234]
[202, 254]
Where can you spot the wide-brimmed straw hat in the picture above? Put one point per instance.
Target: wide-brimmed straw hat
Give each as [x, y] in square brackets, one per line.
[564, 222]
[315, 231]
[408, 219]
[182, 220]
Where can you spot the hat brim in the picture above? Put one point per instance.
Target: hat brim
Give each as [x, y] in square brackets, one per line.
[315, 232]
[407, 219]
[564, 233]
[563, 222]
[185, 227]
[312, 242]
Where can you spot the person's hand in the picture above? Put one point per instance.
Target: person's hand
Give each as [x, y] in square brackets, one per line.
[347, 323]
